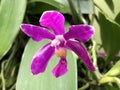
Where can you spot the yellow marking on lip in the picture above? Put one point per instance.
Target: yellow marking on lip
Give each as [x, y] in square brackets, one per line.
[61, 52]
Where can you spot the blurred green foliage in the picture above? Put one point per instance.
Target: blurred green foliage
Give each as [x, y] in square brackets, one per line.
[104, 15]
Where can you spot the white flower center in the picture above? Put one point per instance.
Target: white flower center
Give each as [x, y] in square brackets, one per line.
[58, 39]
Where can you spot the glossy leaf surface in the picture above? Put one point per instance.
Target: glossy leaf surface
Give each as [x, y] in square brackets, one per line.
[11, 16]
[110, 35]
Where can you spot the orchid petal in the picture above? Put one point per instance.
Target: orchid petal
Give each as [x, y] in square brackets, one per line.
[61, 68]
[53, 20]
[80, 32]
[81, 51]
[41, 59]
[36, 33]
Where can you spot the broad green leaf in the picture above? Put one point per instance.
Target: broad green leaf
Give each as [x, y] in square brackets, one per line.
[103, 5]
[45, 81]
[110, 35]
[11, 15]
[115, 70]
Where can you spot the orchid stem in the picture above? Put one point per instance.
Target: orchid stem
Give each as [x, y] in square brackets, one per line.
[97, 73]
[94, 54]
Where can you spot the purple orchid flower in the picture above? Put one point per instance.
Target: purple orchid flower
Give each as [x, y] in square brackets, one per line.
[60, 42]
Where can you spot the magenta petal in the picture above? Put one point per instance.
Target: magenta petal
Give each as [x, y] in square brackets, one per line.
[80, 32]
[81, 51]
[36, 33]
[41, 59]
[53, 20]
[61, 68]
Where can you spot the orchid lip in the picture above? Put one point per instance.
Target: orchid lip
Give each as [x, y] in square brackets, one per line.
[61, 52]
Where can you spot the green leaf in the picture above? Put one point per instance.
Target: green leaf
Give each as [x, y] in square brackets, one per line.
[117, 18]
[105, 8]
[45, 81]
[107, 79]
[110, 4]
[11, 15]
[61, 5]
[86, 6]
[110, 35]
[101, 4]
[115, 70]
